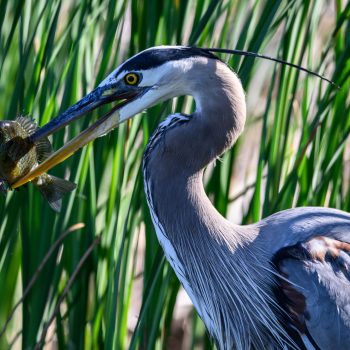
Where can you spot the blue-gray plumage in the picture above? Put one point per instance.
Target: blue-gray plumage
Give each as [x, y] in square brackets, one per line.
[317, 296]
[280, 283]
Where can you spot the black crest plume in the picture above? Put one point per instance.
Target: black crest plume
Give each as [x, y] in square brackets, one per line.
[258, 55]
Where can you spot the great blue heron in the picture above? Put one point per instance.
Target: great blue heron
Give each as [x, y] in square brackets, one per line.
[280, 283]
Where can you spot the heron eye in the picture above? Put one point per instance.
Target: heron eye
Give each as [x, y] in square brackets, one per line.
[132, 78]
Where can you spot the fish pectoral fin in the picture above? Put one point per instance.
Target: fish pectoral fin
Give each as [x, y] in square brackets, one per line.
[28, 124]
[43, 146]
[43, 149]
[53, 189]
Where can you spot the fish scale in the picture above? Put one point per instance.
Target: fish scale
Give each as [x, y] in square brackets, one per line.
[19, 155]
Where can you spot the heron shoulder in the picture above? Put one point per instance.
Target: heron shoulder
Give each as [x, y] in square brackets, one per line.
[288, 227]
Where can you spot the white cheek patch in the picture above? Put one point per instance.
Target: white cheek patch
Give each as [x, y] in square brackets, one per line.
[164, 73]
[154, 76]
[139, 104]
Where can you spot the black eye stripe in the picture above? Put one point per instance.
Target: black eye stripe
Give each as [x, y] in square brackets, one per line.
[155, 57]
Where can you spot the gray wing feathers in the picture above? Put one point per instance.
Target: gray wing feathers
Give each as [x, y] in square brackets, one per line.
[319, 272]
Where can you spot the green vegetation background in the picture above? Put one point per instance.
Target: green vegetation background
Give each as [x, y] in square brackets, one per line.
[76, 270]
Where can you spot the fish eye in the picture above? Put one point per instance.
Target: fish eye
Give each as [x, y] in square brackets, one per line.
[132, 78]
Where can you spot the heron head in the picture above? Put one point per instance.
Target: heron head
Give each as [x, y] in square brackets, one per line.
[150, 77]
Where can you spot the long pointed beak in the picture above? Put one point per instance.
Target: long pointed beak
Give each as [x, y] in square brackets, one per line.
[98, 97]
[102, 126]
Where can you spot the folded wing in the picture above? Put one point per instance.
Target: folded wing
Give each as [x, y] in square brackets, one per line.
[314, 290]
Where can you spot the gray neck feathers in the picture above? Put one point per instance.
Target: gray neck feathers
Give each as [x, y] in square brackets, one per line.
[217, 264]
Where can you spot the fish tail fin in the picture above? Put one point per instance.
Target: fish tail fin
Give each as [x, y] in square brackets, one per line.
[53, 189]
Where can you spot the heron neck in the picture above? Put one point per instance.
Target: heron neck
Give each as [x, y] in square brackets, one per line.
[196, 239]
[179, 153]
[220, 112]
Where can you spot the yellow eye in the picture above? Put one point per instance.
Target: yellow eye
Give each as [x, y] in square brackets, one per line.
[132, 78]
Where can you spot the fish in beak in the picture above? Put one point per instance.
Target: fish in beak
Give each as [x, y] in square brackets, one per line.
[102, 95]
